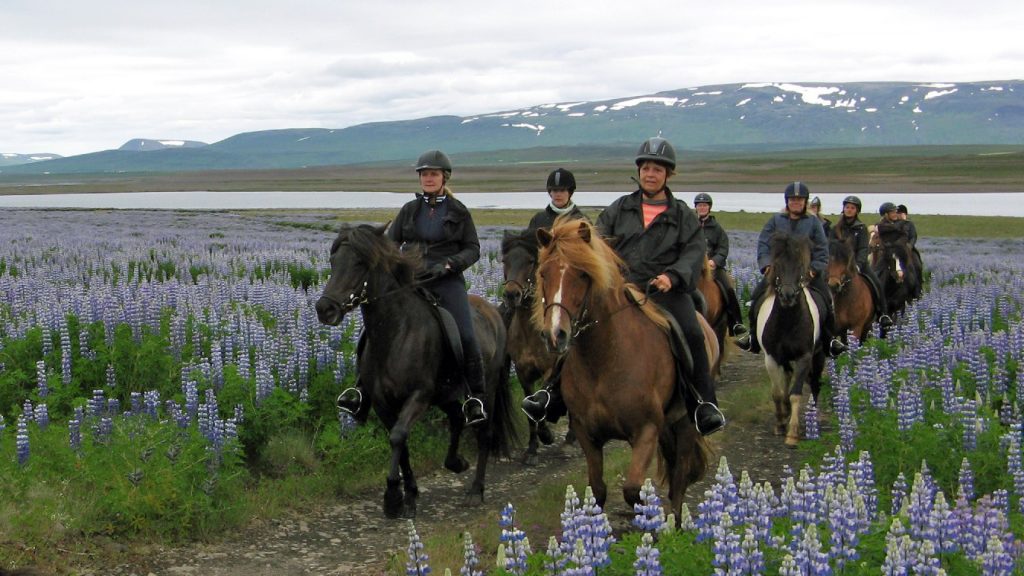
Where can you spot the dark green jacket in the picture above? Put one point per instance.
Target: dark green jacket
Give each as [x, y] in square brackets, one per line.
[717, 241]
[858, 232]
[460, 247]
[673, 244]
[546, 217]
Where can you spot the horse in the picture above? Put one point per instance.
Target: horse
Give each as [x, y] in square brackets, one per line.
[406, 365]
[533, 359]
[619, 376]
[898, 271]
[789, 330]
[713, 310]
[854, 301]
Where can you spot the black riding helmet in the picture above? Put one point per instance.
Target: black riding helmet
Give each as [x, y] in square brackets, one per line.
[853, 200]
[816, 201]
[434, 160]
[659, 150]
[886, 207]
[797, 190]
[562, 178]
[703, 198]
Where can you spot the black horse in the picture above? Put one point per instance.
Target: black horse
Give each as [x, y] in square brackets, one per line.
[789, 330]
[407, 365]
[899, 269]
[532, 357]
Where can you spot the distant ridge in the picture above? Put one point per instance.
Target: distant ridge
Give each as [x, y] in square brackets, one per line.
[12, 159]
[752, 117]
[149, 145]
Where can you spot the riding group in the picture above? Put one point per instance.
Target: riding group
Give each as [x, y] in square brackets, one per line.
[623, 320]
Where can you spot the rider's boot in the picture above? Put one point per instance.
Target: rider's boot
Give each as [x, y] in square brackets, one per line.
[351, 401]
[747, 340]
[473, 407]
[706, 415]
[835, 345]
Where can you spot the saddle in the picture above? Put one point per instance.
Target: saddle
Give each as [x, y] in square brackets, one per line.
[449, 329]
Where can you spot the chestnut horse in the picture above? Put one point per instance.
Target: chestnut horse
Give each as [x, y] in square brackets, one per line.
[406, 366]
[854, 302]
[619, 377]
[714, 311]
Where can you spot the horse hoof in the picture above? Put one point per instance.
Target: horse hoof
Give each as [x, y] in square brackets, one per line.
[545, 435]
[529, 459]
[792, 441]
[474, 498]
[780, 430]
[457, 465]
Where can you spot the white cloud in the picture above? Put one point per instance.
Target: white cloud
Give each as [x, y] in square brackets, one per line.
[86, 76]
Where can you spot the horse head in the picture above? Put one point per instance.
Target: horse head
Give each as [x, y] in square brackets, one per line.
[842, 268]
[357, 254]
[791, 264]
[575, 267]
[519, 264]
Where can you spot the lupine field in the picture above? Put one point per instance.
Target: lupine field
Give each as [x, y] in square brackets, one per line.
[149, 361]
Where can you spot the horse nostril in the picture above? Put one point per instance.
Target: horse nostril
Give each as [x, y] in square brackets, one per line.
[561, 340]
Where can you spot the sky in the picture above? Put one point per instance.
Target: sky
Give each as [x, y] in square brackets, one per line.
[78, 77]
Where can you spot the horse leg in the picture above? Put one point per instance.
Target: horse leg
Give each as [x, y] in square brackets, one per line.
[475, 494]
[801, 374]
[398, 438]
[409, 485]
[643, 446]
[594, 455]
[456, 422]
[777, 375]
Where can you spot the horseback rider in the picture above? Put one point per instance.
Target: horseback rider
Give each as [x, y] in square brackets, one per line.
[850, 229]
[561, 185]
[718, 253]
[795, 220]
[895, 225]
[901, 213]
[815, 209]
[661, 241]
[442, 227]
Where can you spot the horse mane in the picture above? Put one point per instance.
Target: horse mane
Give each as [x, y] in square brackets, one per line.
[378, 251]
[527, 239]
[840, 250]
[789, 249]
[597, 260]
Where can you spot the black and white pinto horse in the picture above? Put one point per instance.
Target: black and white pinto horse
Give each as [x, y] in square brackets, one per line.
[789, 330]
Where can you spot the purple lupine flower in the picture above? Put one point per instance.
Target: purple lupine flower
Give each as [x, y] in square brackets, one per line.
[2, 424]
[75, 429]
[924, 561]
[721, 497]
[65, 354]
[419, 562]
[844, 522]
[650, 517]
[21, 441]
[41, 387]
[996, 561]
[898, 549]
[812, 429]
[556, 560]
[470, 561]
[42, 416]
[726, 546]
[899, 494]
[600, 530]
[96, 405]
[966, 481]
[517, 547]
[28, 411]
[647, 561]
[970, 421]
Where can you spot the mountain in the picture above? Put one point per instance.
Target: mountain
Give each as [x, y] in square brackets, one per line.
[731, 117]
[148, 145]
[10, 159]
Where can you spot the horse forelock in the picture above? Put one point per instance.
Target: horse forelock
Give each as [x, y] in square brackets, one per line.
[527, 240]
[791, 256]
[378, 251]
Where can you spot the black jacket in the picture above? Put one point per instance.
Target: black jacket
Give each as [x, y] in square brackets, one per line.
[460, 247]
[673, 244]
[717, 241]
[857, 234]
[546, 217]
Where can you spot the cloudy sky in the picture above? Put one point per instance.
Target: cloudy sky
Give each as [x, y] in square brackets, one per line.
[83, 76]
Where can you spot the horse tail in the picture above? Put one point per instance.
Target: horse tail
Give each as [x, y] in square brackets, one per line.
[504, 439]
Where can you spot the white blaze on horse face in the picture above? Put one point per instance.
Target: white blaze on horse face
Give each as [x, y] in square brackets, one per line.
[556, 309]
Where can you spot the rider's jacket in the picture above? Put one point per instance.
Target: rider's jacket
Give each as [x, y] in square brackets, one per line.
[673, 244]
[546, 217]
[460, 246]
[717, 240]
[856, 230]
[806, 225]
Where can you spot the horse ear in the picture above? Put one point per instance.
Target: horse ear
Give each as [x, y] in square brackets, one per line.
[585, 232]
[380, 229]
[544, 236]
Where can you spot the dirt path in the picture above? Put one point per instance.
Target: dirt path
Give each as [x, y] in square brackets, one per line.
[352, 537]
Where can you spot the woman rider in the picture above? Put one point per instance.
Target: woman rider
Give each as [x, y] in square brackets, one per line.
[718, 255]
[561, 185]
[440, 226]
[663, 245]
[850, 229]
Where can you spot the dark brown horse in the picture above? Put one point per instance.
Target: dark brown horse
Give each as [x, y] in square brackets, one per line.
[854, 302]
[532, 358]
[714, 311]
[789, 330]
[407, 366]
[619, 376]
[897, 266]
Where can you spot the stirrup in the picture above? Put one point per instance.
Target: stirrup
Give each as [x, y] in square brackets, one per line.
[885, 321]
[535, 406]
[708, 418]
[473, 411]
[350, 405]
[744, 342]
[836, 347]
[739, 330]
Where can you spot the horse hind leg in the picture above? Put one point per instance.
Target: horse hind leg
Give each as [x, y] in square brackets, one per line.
[779, 379]
[793, 427]
[643, 447]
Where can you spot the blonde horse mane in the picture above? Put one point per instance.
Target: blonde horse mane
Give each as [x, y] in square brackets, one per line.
[598, 261]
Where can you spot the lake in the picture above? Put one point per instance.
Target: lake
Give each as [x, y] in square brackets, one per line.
[975, 204]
